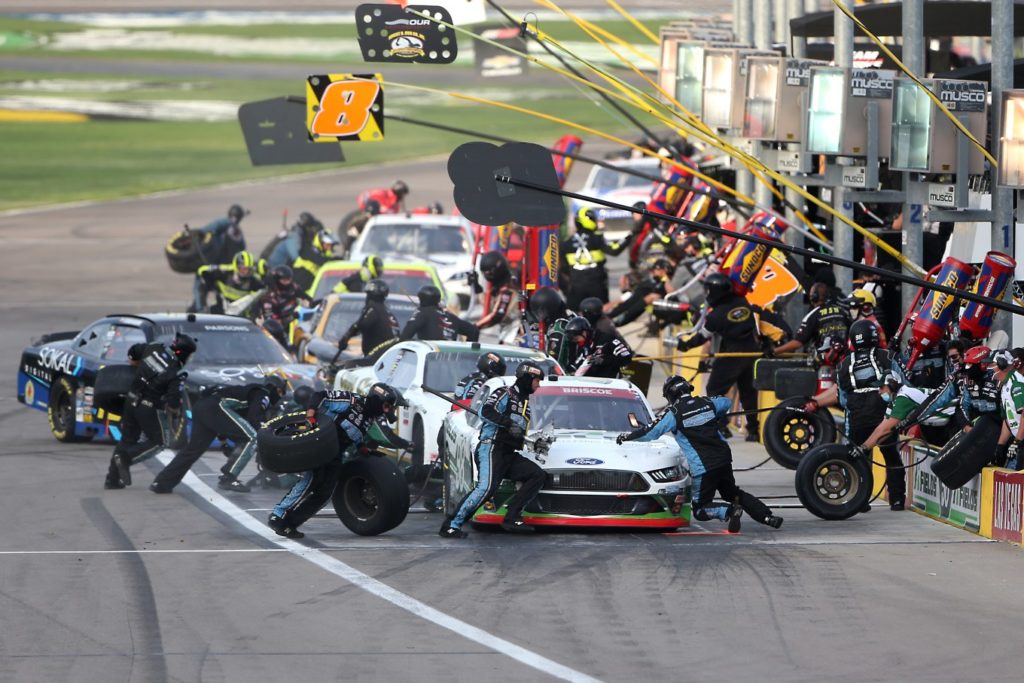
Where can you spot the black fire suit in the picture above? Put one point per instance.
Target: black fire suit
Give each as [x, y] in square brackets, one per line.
[583, 265]
[859, 377]
[827, 327]
[314, 488]
[159, 380]
[305, 267]
[604, 356]
[632, 308]
[280, 303]
[234, 412]
[694, 421]
[433, 323]
[735, 322]
[505, 418]
[377, 325]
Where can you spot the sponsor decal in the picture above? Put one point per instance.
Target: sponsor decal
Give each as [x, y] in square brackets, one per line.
[942, 301]
[1007, 510]
[855, 176]
[871, 83]
[345, 107]
[407, 44]
[226, 328]
[942, 196]
[959, 507]
[59, 360]
[30, 392]
[584, 461]
[798, 72]
[551, 254]
[738, 315]
[963, 95]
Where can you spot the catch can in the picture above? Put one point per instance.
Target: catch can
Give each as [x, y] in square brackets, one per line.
[567, 144]
[996, 273]
[746, 259]
[938, 308]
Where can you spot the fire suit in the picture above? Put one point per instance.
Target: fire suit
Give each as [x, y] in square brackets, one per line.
[433, 323]
[505, 418]
[376, 324]
[694, 420]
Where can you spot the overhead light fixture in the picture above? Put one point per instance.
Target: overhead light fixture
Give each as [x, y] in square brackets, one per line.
[1011, 140]
[926, 141]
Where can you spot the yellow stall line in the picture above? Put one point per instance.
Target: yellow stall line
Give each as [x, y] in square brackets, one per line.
[25, 116]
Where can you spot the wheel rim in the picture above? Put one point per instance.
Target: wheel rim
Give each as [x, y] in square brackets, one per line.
[292, 429]
[836, 482]
[64, 412]
[799, 433]
[361, 498]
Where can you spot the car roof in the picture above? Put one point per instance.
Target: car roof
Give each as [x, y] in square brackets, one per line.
[475, 347]
[419, 218]
[173, 318]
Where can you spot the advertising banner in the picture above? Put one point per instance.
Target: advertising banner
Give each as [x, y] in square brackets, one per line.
[1007, 510]
[960, 507]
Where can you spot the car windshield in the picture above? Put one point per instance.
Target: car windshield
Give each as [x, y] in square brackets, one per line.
[415, 239]
[228, 343]
[607, 180]
[399, 281]
[345, 312]
[596, 407]
[444, 369]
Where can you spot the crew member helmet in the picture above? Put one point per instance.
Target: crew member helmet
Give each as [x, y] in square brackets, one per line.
[676, 387]
[491, 364]
[528, 371]
[243, 263]
[429, 295]
[236, 212]
[183, 346]
[578, 330]
[400, 189]
[382, 399]
[373, 266]
[377, 290]
[494, 266]
[592, 309]
[716, 287]
[864, 335]
[586, 219]
[324, 242]
[282, 276]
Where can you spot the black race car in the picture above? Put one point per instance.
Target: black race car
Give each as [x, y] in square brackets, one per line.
[58, 372]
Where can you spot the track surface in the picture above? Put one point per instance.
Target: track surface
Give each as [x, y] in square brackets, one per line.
[124, 585]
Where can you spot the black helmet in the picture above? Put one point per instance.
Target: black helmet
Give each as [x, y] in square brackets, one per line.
[183, 346]
[494, 266]
[136, 352]
[276, 384]
[864, 335]
[528, 371]
[586, 219]
[662, 263]
[382, 399]
[436, 208]
[547, 305]
[400, 188]
[302, 396]
[676, 387]
[306, 219]
[374, 266]
[429, 295]
[717, 287]
[372, 207]
[282, 275]
[592, 309]
[491, 364]
[377, 290]
[578, 329]
[236, 212]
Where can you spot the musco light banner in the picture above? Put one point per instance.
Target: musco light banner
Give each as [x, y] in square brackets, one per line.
[963, 95]
[960, 507]
[389, 33]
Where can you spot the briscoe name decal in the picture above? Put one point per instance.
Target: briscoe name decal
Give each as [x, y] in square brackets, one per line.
[61, 361]
[585, 461]
[588, 391]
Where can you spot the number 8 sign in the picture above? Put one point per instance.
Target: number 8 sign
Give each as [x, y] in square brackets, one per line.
[345, 107]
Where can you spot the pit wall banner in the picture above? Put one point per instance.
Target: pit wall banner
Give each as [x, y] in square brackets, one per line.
[927, 495]
[1002, 504]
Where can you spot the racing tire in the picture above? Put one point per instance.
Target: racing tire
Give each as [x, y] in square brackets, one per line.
[183, 255]
[177, 427]
[353, 219]
[60, 411]
[790, 432]
[372, 496]
[420, 452]
[113, 382]
[833, 484]
[966, 453]
[287, 444]
[300, 352]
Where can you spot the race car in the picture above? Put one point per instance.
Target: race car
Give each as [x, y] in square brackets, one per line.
[414, 366]
[403, 278]
[591, 481]
[332, 319]
[58, 372]
[622, 188]
[445, 242]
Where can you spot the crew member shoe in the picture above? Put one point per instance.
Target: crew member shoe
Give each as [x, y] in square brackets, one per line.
[109, 483]
[774, 521]
[282, 528]
[155, 487]
[866, 507]
[752, 437]
[123, 469]
[516, 526]
[452, 532]
[733, 517]
[229, 483]
[897, 504]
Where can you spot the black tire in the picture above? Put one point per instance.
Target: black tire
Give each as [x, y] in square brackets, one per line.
[790, 431]
[113, 383]
[357, 219]
[372, 496]
[60, 411]
[966, 453]
[182, 252]
[177, 426]
[831, 483]
[287, 444]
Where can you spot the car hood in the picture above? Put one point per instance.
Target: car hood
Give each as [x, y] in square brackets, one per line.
[598, 450]
[299, 374]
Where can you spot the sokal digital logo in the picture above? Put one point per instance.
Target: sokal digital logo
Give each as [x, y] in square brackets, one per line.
[584, 461]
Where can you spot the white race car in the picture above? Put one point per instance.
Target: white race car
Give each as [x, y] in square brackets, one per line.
[409, 366]
[591, 480]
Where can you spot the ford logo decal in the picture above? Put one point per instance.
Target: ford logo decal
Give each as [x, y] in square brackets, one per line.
[585, 461]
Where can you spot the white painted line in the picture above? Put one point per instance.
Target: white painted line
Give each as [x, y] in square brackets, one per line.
[377, 588]
[144, 551]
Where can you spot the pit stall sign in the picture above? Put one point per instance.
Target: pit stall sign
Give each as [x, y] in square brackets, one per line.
[960, 507]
